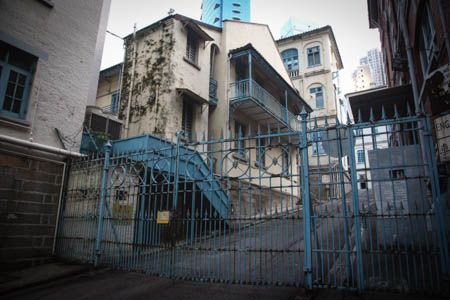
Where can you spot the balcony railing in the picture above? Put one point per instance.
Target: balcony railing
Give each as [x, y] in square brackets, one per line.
[112, 109]
[241, 89]
[294, 73]
[213, 91]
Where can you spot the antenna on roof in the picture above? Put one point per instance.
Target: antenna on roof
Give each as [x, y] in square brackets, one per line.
[171, 11]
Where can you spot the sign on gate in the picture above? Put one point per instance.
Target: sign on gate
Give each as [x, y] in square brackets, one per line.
[442, 126]
[163, 217]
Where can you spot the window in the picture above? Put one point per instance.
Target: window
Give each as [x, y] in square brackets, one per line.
[236, 11]
[317, 146]
[192, 47]
[236, 18]
[260, 159]
[236, 4]
[362, 182]
[290, 58]
[114, 102]
[317, 92]
[313, 56]
[285, 162]
[335, 75]
[187, 119]
[397, 174]
[239, 133]
[360, 156]
[16, 68]
[358, 132]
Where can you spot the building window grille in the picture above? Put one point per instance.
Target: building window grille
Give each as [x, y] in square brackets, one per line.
[317, 146]
[16, 68]
[313, 56]
[290, 58]
[192, 47]
[187, 119]
[317, 92]
[360, 156]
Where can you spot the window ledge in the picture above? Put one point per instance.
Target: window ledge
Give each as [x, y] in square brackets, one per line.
[14, 121]
[48, 3]
[191, 63]
[240, 157]
[313, 66]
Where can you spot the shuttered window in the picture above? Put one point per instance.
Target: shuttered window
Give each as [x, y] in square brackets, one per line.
[191, 47]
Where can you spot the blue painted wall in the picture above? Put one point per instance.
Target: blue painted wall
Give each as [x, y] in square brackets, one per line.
[214, 12]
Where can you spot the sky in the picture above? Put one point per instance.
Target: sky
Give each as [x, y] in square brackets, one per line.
[348, 18]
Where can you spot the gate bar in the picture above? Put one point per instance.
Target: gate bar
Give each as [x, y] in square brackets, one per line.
[357, 226]
[98, 244]
[307, 266]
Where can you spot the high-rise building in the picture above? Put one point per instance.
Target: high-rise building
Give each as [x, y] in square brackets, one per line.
[214, 12]
[370, 72]
[362, 79]
[376, 66]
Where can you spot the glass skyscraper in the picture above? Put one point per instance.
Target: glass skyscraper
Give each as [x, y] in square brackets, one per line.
[214, 12]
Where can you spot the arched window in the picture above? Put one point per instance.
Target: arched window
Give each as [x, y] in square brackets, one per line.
[290, 58]
[317, 93]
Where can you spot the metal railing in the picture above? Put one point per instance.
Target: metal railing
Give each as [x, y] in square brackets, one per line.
[112, 109]
[241, 89]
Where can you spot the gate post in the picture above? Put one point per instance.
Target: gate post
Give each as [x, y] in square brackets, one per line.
[98, 244]
[437, 199]
[306, 201]
[355, 196]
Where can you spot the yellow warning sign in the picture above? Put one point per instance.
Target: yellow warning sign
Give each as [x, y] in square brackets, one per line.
[163, 217]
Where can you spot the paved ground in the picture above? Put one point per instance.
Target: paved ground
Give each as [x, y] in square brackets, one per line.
[106, 284]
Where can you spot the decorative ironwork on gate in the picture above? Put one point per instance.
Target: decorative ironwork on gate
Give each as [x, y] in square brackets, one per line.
[354, 206]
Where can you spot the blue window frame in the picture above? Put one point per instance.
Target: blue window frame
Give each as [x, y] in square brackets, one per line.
[114, 102]
[317, 146]
[361, 158]
[313, 56]
[318, 94]
[358, 132]
[285, 157]
[290, 58]
[16, 68]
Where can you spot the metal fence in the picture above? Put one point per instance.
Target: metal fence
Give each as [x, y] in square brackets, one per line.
[353, 206]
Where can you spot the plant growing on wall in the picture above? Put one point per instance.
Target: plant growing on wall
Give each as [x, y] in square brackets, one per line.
[151, 50]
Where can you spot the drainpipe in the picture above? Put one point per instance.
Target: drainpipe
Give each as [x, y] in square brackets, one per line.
[411, 65]
[412, 74]
[130, 93]
[444, 26]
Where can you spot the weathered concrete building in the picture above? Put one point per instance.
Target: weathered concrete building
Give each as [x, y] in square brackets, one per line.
[50, 53]
[182, 74]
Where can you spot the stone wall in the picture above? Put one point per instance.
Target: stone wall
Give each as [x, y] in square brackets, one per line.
[29, 195]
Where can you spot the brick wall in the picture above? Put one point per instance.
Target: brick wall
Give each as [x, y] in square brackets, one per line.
[29, 194]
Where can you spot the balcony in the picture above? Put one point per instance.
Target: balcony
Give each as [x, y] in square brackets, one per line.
[240, 92]
[261, 93]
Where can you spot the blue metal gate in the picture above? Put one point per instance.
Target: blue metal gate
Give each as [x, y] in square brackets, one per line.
[353, 206]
